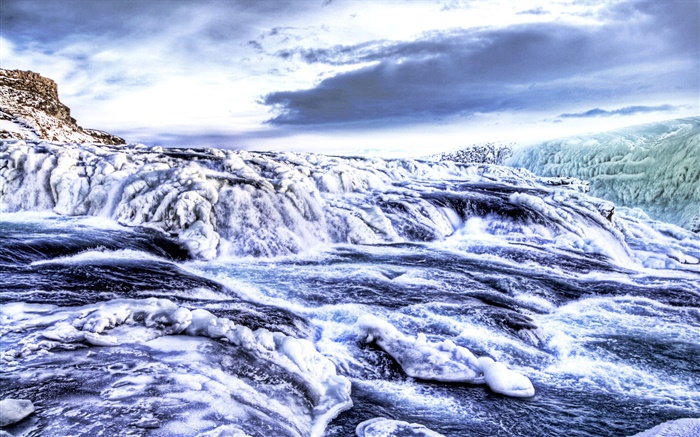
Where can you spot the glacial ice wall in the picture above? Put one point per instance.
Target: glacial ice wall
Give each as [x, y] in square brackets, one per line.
[654, 167]
[239, 203]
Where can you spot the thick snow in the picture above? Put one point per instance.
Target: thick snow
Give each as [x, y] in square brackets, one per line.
[14, 410]
[443, 361]
[382, 427]
[654, 167]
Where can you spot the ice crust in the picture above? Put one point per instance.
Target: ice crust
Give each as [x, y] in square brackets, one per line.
[124, 322]
[239, 203]
[443, 361]
[654, 167]
[382, 427]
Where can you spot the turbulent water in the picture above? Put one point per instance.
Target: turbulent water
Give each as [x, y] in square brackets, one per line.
[180, 292]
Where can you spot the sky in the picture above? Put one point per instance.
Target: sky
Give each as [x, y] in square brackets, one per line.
[382, 78]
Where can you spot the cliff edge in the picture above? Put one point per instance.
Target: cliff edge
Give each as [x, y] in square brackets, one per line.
[30, 110]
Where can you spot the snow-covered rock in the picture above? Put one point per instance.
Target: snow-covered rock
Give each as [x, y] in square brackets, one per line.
[443, 361]
[14, 410]
[256, 373]
[381, 427]
[30, 110]
[502, 380]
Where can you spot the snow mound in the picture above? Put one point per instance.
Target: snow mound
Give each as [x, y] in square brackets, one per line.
[443, 361]
[381, 427]
[654, 167]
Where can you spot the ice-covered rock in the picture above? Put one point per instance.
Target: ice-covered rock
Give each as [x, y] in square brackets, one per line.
[14, 410]
[443, 361]
[420, 358]
[382, 427]
[674, 428]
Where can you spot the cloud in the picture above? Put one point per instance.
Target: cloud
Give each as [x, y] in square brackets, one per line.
[534, 11]
[627, 110]
[217, 70]
[469, 71]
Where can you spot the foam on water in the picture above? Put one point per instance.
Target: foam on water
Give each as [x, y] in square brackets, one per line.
[460, 277]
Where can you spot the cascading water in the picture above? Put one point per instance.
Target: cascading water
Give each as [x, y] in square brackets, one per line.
[150, 291]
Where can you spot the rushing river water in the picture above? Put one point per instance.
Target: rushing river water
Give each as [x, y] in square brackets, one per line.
[479, 307]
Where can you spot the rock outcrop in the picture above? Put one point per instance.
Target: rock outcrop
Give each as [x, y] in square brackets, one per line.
[30, 110]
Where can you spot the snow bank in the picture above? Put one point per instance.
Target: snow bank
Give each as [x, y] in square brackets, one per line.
[655, 167]
[443, 361]
[381, 427]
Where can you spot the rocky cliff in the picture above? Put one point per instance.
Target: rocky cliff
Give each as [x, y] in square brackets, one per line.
[30, 110]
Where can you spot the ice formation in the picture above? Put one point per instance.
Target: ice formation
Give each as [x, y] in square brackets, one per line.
[382, 427]
[444, 361]
[654, 167]
[157, 325]
[242, 203]
[14, 410]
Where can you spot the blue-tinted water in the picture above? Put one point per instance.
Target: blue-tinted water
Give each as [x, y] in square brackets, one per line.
[610, 351]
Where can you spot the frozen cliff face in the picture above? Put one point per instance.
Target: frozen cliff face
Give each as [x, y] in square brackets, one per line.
[273, 204]
[654, 167]
[30, 110]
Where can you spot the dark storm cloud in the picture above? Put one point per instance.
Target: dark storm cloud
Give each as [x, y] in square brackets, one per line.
[54, 22]
[463, 72]
[627, 110]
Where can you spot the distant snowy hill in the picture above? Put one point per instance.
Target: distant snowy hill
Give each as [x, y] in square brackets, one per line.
[30, 110]
[654, 167]
[487, 153]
